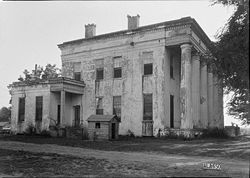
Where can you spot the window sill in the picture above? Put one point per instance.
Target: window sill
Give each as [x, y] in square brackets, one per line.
[147, 75]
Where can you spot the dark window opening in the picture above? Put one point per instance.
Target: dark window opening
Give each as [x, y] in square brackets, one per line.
[99, 74]
[148, 69]
[147, 107]
[118, 72]
[77, 76]
[117, 106]
[39, 108]
[171, 66]
[97, 125]
[171, 111]
[21, 109]
[99, 107]
[77, 115]
[58, 114]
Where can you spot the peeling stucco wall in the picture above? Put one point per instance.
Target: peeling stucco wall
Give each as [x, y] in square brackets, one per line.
[30, 93]
[131, 52]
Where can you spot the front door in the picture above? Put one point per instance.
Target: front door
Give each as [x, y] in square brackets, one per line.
[113, 131]
[77, 115]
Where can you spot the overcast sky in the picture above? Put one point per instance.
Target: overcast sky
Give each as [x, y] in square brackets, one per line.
[30, 31]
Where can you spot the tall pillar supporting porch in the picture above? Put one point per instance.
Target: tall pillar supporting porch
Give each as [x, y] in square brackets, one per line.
[62, 110]
[210, 86]
[204, 95]
[185, 87]
[196, 91]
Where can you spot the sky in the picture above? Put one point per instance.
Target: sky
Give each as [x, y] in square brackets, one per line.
[31, 31]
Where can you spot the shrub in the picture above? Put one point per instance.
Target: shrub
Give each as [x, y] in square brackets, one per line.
[30, 130]
[130, 134]
[45, 133]
[214, 133]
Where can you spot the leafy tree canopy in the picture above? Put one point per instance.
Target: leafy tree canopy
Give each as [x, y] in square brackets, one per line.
[5, 114]
[50, 71]
[231, 53]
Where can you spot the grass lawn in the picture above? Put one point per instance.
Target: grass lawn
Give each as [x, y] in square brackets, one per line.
[230, 148]
[26, 164]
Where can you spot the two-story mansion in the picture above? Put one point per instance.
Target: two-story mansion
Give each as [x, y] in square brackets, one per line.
[151, 76]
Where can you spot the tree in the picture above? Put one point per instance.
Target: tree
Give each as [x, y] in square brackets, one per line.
[50, 71]
[231, 53]
[5, 114]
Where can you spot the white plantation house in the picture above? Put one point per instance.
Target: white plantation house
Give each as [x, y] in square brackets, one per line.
[152, 77]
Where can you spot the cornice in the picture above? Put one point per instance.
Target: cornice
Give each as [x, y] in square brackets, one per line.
[46, 82]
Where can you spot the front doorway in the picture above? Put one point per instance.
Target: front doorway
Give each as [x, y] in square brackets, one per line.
[77, 115]
[113, 130]
[147, 123]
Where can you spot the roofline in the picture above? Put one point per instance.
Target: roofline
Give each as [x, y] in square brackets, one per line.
[47, 81]
[166, 24]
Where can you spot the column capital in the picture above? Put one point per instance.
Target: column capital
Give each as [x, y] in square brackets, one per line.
[186, 46]
[203, 61]
[210, 67]
[196, 57]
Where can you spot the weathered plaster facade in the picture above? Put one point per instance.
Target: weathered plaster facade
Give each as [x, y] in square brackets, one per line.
[173, 46]
[131, 49]
[51, 92]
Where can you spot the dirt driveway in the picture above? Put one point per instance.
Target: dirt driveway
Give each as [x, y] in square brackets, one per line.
[152, 164]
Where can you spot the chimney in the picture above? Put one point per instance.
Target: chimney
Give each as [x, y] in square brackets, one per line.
[90, 30]
[133, 22]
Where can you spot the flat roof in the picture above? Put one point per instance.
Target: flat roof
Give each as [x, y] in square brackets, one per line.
[167, 24]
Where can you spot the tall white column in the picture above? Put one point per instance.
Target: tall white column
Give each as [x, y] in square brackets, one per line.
[221, 107]
[216, 109]
[62, 120]
[185, 88]
[204, 95]
[210, 96]
[196, 91]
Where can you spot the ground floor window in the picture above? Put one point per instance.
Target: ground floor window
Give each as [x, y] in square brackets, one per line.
[21, 109]
[77, 115]
[39, 108]
[147, 107]
[171, 111]
[99, 106]
[117, 106]
[58, 114]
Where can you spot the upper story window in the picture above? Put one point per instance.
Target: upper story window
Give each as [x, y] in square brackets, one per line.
[117, 72]
[21, 109]
[77, 76]
[99, 73]
[77, 71]
[148, 69]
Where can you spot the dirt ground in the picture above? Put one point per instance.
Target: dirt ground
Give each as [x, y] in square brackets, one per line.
[46, 160]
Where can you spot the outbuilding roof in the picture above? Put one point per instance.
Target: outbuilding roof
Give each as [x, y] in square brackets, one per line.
[102, 118]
